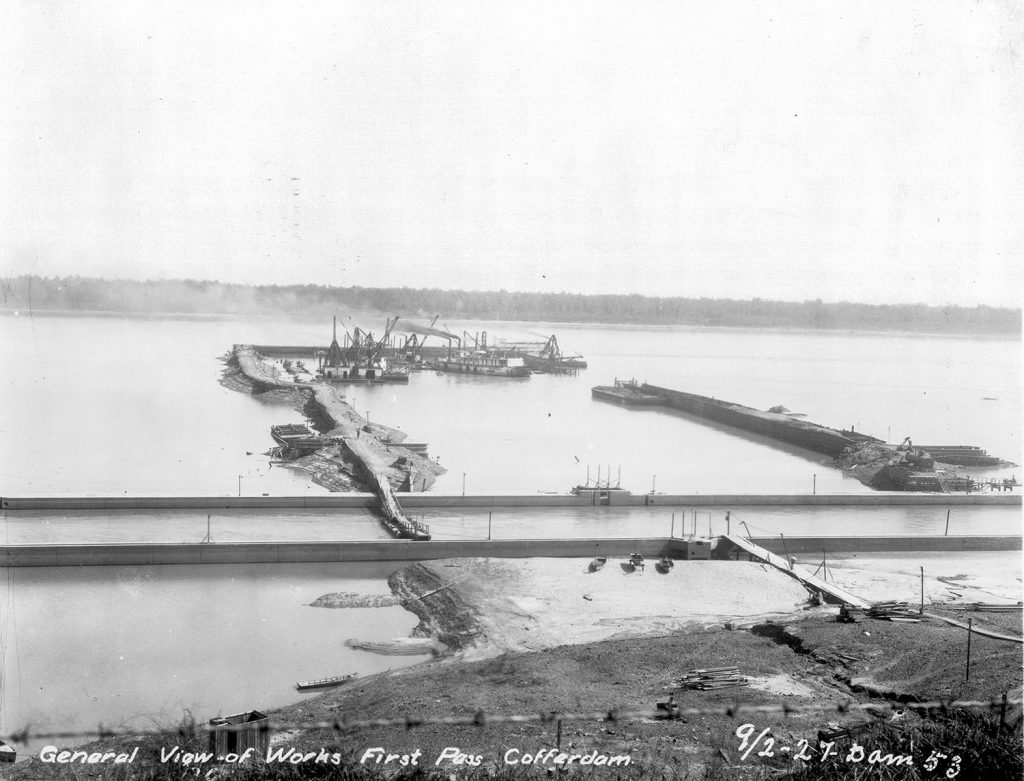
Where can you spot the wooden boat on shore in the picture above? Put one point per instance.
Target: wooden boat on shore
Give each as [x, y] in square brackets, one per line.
[635, 562]
[597, 563]
[324, 683]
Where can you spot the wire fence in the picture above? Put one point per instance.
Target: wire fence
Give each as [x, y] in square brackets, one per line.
[481, 718]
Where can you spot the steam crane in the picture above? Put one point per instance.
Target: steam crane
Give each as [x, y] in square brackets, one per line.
[377, 348]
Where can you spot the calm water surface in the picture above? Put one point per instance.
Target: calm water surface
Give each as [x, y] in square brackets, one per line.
[98, 405]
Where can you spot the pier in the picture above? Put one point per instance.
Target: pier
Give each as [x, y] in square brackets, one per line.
[809, 580]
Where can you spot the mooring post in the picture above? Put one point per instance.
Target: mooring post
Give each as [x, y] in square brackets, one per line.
[672, 534]
[922, 590]
[947, 523]
[970, 631]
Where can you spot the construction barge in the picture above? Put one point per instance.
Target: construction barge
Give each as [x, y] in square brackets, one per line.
[626, 392]
[899, 468]
[361, 357]
[774, 425]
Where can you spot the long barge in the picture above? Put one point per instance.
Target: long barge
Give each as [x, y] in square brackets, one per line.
[626, 392]
[774, 425]
[961, 455]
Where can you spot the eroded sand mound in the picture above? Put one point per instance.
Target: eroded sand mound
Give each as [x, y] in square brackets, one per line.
[348, 599]
[399, 646]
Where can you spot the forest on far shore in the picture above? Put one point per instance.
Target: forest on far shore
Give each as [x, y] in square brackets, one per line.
[83, 294]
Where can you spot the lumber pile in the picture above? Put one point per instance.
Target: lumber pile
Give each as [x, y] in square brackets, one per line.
[992, 607]
[893, 611]
[712, 678]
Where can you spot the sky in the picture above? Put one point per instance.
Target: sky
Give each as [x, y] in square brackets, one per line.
[843, 151]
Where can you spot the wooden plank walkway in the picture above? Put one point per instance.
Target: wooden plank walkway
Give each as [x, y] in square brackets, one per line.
[976, 630]
[799, 573]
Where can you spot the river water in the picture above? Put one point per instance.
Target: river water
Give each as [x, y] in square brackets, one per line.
[132, 406]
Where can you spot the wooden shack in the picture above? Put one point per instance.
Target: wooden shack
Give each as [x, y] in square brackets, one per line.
[250, 730]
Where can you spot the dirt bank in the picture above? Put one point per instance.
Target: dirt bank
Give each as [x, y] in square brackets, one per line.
[812, 664]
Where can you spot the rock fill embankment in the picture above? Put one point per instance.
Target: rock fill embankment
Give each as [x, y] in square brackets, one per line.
[379, 451]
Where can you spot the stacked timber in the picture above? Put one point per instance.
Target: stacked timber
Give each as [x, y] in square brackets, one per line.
[893, 611]
[713, 678]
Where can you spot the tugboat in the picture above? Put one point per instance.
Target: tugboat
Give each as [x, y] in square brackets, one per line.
[483, 360]
[493, 363]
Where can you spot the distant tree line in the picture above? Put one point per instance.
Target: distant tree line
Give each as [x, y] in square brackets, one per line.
[206, 297]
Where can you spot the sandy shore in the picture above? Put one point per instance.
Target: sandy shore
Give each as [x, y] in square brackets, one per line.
[534, 604]
[961, 578]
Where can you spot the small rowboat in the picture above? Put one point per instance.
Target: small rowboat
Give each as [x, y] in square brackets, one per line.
[597, 563]
[636, 561]
[324, 683]
[664, 565]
